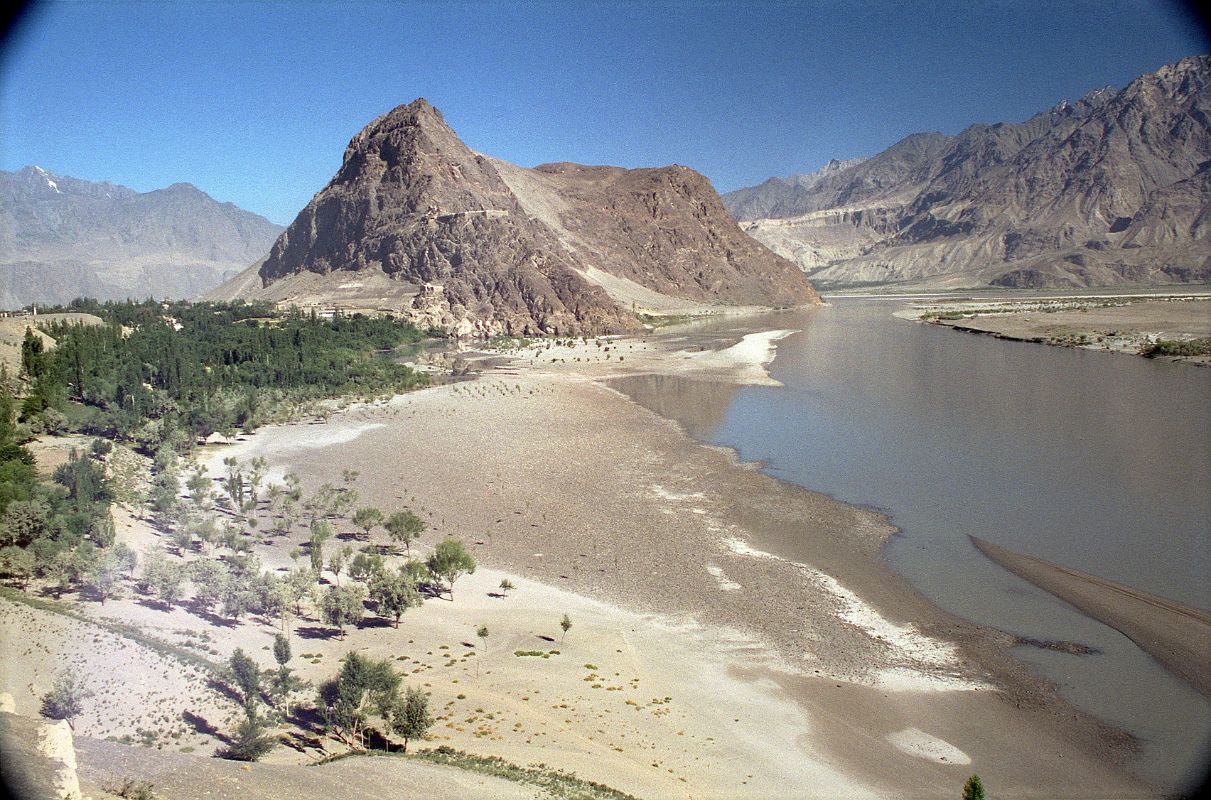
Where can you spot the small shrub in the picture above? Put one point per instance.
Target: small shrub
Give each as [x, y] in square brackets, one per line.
[1177, 348]
[133, 790]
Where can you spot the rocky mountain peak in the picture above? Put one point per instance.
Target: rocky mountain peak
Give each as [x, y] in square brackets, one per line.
[183, 189]
[38, 179]
[480, 246]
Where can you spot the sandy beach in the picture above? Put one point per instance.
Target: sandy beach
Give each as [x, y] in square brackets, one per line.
[1089, 323]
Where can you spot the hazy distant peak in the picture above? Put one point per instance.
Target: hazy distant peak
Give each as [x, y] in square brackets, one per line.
[833, 166]
[63, 237]
[182, 190]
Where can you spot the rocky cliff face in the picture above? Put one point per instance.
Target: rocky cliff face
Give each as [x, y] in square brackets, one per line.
[62, 238]
[416, 221]
[1108, 190]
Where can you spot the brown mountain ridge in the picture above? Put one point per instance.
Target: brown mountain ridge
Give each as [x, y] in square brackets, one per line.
[415, 221]
[1111, 189]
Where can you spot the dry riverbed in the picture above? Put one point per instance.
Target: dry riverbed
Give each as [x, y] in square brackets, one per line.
[699, 663]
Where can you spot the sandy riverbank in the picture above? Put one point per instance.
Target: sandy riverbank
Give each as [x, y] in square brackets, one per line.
[1111, 324]
[826, 678]
[1175, 634]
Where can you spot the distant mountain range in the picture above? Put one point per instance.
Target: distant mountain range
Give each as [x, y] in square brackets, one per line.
[1112, 189]
[62, 238]
[416, 222]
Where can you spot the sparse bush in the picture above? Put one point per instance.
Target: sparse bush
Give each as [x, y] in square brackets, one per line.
[250, 741]
[66, 698]
[133, 789]
[1177, 348]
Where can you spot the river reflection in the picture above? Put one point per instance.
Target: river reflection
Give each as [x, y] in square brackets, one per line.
[699, 406]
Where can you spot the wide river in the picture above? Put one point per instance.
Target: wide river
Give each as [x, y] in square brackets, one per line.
[1096, 461]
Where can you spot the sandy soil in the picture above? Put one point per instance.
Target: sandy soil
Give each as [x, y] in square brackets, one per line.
[138, 694]
[1123, 328]
[104, 765]
[701, 663]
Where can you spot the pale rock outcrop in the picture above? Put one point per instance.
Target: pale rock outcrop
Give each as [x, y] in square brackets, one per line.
[39, 760]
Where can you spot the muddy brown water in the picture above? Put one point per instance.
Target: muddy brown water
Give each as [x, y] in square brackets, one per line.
[1097, 461]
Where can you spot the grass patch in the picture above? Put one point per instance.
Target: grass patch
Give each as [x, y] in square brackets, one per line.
[557, 783]
[661, 321]
[534, 653]
[502, 343]
[133, 789]
[554, 782]
[1177, 348]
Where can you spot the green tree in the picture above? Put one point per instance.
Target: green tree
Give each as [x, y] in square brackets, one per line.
[168, 583]
[449, 561]
[404, 526]
[482, 632]
[338, 560]
[258, 467]
[366, 566]
[246, 677]
[362, 688]
[394, 592]
[16, 564]
[409, 715]
[209, 577]
[200, 488]
[565, 624]
[182, 538]
[283, 682]
[973, 789]
[33, 364]
[506, 586]
[250, 742]
[65, 568]
[66, 698]
[342, 605]
[23, 522]
[367, 519]
[236, 594]
[296, 585]
[235, 483]
[128, 559]
[281, 649]
[321, 531]
[8, 428]
[104, 574]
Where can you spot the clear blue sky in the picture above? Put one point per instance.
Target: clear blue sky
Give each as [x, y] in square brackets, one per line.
[255, 102]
